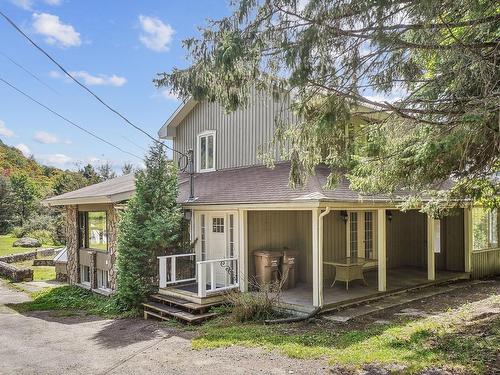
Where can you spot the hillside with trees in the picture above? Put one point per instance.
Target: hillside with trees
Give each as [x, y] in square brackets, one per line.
[24, 183]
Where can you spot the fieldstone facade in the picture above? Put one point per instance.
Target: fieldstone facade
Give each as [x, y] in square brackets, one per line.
[112, 216]
[72, 244]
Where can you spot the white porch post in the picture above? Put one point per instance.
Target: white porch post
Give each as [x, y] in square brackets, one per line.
[431, 258]
[468, 239]
[382, 251]
[317, 261]
[243, 250]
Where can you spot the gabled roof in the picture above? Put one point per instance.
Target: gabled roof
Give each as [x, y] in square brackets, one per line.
[167, 131]
[111, 191]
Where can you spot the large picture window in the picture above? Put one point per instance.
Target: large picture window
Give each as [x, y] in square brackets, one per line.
[93, 233]
[206, 151]
[484, 228]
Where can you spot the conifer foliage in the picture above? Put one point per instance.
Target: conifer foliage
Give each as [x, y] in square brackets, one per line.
[149, 226]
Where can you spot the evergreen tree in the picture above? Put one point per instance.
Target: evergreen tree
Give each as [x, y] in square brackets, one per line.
[127, 168]
[90, 174]
[106, 171]
[150, 225]
[424, 75]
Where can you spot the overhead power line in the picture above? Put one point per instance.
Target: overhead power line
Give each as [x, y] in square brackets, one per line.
[66, 119]
[18, 29]
[28, 72]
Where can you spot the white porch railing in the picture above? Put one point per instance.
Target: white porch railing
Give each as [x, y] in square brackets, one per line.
[168, 266]
[217, 275]
[213, 275]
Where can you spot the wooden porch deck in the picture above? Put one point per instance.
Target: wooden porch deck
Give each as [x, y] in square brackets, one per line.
[337, 297]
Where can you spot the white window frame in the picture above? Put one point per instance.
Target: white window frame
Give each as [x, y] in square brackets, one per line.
[207, 133]
[361, 234]
[82, 273]
[100, 274]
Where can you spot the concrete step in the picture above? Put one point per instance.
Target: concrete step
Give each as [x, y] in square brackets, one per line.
[164, 312]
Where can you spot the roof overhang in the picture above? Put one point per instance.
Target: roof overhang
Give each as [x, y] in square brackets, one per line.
[98, 199]
[168, 130]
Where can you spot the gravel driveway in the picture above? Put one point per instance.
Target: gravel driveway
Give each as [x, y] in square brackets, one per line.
[42, 343]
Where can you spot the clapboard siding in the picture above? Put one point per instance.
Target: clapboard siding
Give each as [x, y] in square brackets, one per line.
[239, 134]
[274, 230]
[486, 263]
[452, 256]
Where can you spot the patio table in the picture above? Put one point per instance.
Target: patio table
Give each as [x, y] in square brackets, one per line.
[348, 269]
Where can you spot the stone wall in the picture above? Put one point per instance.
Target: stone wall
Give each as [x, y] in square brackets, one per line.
[72, 244]
[21, 257]
[14, 273]
[113, 217]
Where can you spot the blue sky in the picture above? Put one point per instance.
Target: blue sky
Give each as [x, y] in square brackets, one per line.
[115, 47]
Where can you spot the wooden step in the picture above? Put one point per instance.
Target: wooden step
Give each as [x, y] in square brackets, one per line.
[163, 312]
[183, 303]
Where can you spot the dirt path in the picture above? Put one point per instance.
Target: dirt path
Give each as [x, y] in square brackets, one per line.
[43, 343]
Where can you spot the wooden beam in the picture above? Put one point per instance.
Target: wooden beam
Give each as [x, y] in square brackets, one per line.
[316, 258]
[468, 239]
[431, 256]
[243, 250]
[382, 250]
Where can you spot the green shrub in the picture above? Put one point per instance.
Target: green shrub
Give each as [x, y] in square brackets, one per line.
[17, 232]
[44, 236]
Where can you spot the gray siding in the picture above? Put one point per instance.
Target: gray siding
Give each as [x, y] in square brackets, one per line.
[485, 263]
[239, 134]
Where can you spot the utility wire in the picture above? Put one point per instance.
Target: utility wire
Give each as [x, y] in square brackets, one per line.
[13, 24]
[28, 72]
[66, 119]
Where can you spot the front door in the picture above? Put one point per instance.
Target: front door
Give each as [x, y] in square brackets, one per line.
[217, 245]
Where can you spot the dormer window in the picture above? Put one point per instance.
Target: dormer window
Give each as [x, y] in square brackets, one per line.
[206, 151]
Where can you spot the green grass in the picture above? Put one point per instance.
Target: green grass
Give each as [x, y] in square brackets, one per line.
[6, 248]
[68, 300]
[40, 273]
[459, 339]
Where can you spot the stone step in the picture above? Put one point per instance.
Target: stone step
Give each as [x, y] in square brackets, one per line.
[164, 312]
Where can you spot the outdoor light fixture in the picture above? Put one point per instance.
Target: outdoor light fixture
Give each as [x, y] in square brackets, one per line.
[343, 215]
[188, 214]
[388, 214]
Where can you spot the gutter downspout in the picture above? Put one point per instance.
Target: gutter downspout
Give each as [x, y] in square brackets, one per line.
[317, 309]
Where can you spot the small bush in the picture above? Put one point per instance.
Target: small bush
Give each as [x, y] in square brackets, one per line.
[256, 306]
[44, 236]
[17, 232]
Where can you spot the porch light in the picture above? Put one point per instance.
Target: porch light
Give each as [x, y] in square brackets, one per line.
[388, 214]
[343, 215]
[188, 214]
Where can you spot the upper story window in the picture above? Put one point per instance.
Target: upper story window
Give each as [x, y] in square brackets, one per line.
[93, 233]
[206, 151]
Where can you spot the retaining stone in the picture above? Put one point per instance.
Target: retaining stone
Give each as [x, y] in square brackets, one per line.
[14, 273]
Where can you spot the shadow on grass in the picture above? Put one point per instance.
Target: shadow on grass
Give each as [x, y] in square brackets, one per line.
[465, 340]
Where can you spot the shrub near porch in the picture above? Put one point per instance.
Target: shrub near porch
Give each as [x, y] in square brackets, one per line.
[463, 340]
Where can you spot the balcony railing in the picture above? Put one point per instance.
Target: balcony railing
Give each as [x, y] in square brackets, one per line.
[212, 276]
[177, 269]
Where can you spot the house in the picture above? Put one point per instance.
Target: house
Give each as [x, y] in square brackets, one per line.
[345, 247]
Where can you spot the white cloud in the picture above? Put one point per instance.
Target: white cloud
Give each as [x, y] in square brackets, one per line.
[157, 35]
[53, 2]
[24, 4]
[93, 80]
[24, 149]
[56, 32]
[5, 131]
[45, 138]
[168, 95]
[57, 159]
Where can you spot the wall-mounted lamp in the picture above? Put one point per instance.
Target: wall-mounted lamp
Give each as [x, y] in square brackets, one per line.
[388, 214]
[188, 214]
[343, 215]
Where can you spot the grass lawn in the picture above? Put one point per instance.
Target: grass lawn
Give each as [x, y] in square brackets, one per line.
[6, 247]
[463, 340]
[72, 299]
[40, 273]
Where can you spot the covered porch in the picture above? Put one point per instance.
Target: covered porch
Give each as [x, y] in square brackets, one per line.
[396, 251]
